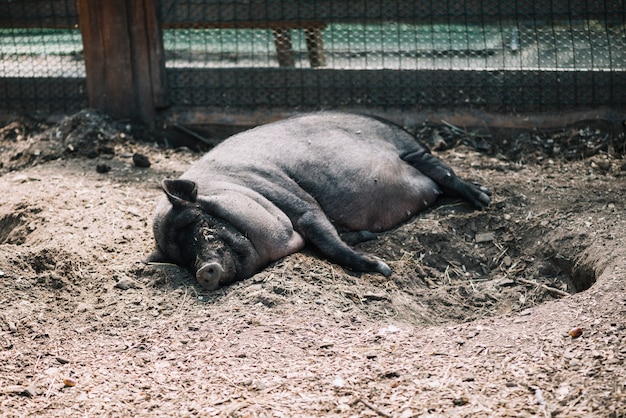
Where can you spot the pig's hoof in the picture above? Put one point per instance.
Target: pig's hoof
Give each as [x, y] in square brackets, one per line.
[383, 269]
[477, 195]
[482, 201]
[209, 275]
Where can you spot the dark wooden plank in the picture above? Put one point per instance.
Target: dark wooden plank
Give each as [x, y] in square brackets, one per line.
[147, 61]
[222, 123]
[157, 53]
[108, 56]
[310, 89]
[124, 58]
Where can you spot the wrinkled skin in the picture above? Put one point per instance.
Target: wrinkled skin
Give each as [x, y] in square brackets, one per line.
[262, 194]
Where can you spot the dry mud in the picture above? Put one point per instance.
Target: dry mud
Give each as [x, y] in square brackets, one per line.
[517, 310]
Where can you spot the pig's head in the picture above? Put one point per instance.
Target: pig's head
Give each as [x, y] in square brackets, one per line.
[189, 236]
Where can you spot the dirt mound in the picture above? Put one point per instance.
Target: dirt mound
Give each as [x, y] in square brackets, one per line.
[90, 134]
[578, 141]
[474, 320]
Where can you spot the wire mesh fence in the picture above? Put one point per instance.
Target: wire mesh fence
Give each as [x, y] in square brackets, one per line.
[41, 66]
[304, 54]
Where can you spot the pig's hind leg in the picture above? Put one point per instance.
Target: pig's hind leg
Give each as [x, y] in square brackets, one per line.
[318, 230]
[310, 221]
[444, 176]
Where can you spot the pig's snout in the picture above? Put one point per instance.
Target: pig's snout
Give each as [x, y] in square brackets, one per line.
[209, 275]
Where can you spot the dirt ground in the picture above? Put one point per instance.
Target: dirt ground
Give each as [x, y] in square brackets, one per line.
[517, 310]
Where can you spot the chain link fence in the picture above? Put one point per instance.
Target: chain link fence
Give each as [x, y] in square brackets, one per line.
[41, 65]
[305, 54]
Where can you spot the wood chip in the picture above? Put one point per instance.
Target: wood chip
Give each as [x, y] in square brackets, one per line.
[484, 237]
[30, 390]
[125, 283]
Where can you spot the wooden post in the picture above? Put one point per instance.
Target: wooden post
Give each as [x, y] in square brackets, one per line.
[124, 58]
[315, 46]
[284, 49]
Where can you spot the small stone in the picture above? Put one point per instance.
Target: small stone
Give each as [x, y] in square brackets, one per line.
[506, 282]
[103, 168]
[125, 283]
[390, 329]
[31, 390]
[372, 354]
[484, 237]
[338, 382]
[460, 401]
[439, 144]
[259, 385]
[141, 160]
[12, 389]
[375, 296]
[576, 332]
[601, 165]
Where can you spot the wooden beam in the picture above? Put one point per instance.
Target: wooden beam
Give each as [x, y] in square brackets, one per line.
[284, 49]
[148, 58]
[315, 46]
[123, 57]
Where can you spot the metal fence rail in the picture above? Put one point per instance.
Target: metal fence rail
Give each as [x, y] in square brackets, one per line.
[521, 56]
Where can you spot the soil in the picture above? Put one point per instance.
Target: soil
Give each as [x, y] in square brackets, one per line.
[516, 310]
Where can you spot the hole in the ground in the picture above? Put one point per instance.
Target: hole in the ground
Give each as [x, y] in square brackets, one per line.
[10, 228]
[16, 223]
[447, 268]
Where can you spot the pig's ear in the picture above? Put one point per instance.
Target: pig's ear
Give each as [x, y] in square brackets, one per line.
[180, 192]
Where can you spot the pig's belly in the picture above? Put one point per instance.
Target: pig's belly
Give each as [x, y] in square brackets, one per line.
[378, 203]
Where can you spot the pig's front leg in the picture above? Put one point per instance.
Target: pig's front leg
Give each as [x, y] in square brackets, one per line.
[444, 176]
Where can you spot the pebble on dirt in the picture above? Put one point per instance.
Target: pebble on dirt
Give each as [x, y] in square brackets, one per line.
[141, 160]
[126, 283]
[30, 390]
[484, 237]
[103, 168]
[576, 332]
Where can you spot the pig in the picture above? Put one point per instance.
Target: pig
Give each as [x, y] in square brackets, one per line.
[327, 179]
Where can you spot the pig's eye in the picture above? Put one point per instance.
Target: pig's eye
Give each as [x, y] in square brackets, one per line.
[186, 241]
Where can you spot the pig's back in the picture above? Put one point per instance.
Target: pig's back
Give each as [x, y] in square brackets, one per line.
[350, 164]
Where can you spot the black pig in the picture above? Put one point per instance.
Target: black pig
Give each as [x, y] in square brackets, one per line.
[261, 194]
